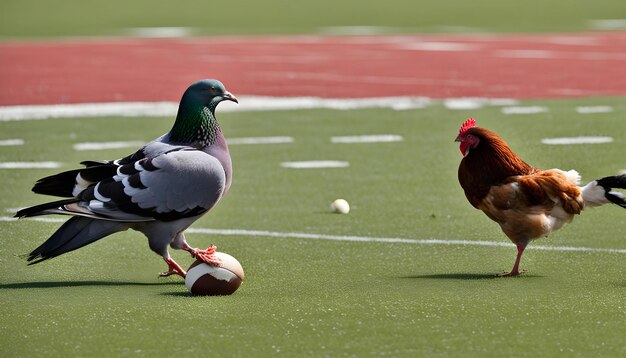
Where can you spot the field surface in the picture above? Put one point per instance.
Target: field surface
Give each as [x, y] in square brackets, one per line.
[319, 283]
[410, 271]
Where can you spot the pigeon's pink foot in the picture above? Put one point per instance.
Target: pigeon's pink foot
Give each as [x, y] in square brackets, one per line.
[173, 269]
[207, 256]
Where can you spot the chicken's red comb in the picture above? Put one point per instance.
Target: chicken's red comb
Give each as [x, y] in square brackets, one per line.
[469, 123]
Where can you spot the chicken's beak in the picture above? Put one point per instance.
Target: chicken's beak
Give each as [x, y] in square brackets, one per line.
[229, 96]
[463, 147]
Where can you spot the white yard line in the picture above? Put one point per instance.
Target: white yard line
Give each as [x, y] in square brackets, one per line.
[577, 140]
[107, 145]
[388, 240]
[608, 24]
[30, 165]
[315, 164]
[594, 109]
[296, 235]
[377, 138]
[161, 32]
[11, 142]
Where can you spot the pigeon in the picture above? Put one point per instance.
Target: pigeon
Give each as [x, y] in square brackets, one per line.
[159, 190]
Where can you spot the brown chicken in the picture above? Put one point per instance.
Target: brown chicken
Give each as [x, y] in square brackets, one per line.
[527, 202]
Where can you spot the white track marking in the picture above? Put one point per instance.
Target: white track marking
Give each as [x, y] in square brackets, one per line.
[476, 103]
[573, 40]
[260, 140]
[169, 109]
[107, 145]
[81, 110]
[409, 105]
[11, 142]
[462, 103]
[314, 164]
[499, 101]
[247, 103]
[380, 138]
[524, 110]
[259, 103]
[555, 55]
[296, 235]
[525, 54]
[594, 109]
[439, 46]
[30, 165]
[577, 140]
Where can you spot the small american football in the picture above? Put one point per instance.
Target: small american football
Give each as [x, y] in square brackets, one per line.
[206, 280]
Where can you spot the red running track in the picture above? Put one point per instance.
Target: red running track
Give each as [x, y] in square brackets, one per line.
[437, 66]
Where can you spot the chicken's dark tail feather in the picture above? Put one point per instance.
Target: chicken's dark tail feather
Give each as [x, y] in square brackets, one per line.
[614, 182]
[75, 233]
[63, 184]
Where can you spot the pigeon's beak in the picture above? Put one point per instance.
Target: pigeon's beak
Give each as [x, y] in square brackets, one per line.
[229, 96]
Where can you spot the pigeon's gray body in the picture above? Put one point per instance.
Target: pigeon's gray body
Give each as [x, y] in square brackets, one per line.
[159, 190]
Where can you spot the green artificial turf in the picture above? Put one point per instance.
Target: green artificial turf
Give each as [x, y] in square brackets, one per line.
[313, 297]
[45, 19]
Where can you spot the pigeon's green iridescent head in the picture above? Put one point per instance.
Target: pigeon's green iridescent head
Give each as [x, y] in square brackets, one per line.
[209, 93]
[195, 121]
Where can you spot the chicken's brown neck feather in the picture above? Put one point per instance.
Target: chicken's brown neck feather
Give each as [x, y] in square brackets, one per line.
[490, 163]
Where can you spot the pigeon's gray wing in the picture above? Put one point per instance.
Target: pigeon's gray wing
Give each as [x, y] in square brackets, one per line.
[73, 182]
[174, 185]
[150, 150]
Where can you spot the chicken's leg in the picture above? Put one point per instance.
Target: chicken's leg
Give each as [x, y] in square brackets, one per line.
[516, 271]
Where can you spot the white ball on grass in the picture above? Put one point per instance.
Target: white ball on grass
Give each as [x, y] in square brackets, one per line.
[340, 206]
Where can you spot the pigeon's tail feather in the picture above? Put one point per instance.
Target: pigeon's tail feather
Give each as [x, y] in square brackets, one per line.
[60, 184]
[54, 207]
[72, 182]
[73, 234]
